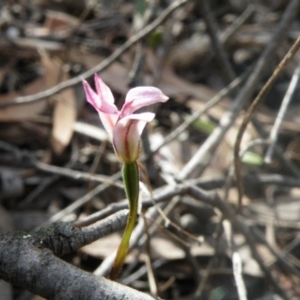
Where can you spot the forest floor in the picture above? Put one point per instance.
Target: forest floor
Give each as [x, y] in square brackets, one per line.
[208, 230]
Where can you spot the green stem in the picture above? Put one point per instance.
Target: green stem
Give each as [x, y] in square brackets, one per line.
[131, 182]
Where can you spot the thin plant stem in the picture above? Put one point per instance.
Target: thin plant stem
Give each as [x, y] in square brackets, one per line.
[131, 182]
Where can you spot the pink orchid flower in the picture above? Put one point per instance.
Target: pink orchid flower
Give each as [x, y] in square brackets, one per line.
[124, 127]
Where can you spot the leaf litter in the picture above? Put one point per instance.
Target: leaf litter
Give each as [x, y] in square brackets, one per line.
[50, 43]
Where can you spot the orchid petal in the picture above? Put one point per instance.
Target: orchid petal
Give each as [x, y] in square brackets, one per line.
[91, 96]
[98, 100]
[127, 133]
[141, 96]
[106, 97]
[123, 127]
[109, 121]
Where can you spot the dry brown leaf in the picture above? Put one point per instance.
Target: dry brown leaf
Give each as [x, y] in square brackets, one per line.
[23, 111]
[57, 23]
[60, 23]
[64, 110]
[116, 75]
[26, 111]
[64, 115]
[52, 67]
[92, 131]
[164, 247]
[172, 85]
[103, 247]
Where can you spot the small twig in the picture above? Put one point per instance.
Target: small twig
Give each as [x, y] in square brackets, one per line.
[215, 200]
[104, 64]
[252, 109]
[77, 175]
[152, 278]
[138, 64]
[96, 162]
[237, 271]
[197, 114]
[81, 201]
[141, 272]
[163, 50]
[205, 277]
[202, 157]
[166, 192]
[252, 144]
[45, 183]
[213, 32]
[134, 75]
[238, 22]
[283, 108]
[290, 166]
[159, 195]
[280, 256]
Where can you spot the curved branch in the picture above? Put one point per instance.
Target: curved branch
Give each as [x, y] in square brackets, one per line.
[39, 271]
[63, 238]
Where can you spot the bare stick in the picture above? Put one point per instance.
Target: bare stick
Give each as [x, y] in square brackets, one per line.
[218, 47]
[293, 169]
[81, 201]
[77, 175]
[25, 265]
[250, 112]
[283, 108]
[237, 271]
